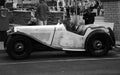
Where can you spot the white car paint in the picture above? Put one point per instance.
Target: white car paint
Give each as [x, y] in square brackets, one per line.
[58, 37]
[41, 33]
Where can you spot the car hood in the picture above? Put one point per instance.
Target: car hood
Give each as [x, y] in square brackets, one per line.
[35, 28]
[31, 28]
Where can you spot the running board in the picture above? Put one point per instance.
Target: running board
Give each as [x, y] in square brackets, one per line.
[73, 49]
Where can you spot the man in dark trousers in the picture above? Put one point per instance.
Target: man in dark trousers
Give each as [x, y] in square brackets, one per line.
[42, 13]
[4, 23]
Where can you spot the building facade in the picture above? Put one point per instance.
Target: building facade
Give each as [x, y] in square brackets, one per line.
[112, 14]
[23, 1]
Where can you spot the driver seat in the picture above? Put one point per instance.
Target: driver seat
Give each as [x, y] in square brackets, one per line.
[81, 29]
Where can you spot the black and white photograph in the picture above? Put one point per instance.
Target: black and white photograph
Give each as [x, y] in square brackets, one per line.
[59, 37]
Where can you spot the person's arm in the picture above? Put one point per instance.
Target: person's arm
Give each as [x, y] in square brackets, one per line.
[48, 10]
[37, 11]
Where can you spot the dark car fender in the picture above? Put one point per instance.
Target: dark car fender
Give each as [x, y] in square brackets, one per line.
[99, 32]
[112, 36]
[36, 43]
[21, 34]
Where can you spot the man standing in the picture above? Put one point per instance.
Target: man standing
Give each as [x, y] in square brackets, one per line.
[4, 22]
[42, 13]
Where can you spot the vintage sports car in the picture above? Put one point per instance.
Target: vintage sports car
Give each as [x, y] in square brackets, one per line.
[96, 39]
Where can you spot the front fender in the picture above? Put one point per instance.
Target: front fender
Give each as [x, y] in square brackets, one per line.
[25, 35]
[38, 44]
[21, 34]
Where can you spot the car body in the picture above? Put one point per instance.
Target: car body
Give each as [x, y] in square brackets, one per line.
[96, 39]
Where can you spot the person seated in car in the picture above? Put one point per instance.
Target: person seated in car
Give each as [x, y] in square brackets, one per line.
[69, 25]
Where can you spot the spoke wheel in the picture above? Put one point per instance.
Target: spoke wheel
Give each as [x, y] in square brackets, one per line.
[19, 47]
[97, 45]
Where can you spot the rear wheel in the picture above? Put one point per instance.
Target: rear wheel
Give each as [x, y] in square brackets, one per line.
[19, 47]
[98, 45]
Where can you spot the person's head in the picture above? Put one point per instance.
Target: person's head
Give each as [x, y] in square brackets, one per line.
[41, 1]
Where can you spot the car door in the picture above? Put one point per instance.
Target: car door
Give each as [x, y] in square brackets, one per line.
[67, 40]
[44, 34]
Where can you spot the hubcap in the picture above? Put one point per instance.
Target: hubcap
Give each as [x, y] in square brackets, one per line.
[19, 47]
[98, 46]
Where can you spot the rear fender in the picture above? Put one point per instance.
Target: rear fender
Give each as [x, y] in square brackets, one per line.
[97, 33]
[112, 36]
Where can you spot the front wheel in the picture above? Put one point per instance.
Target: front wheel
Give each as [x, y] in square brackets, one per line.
[97, 45]
[18, 47]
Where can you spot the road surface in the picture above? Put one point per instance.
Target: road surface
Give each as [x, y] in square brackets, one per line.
[59, 63]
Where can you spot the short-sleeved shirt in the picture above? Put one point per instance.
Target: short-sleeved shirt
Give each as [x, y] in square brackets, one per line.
[42, 12]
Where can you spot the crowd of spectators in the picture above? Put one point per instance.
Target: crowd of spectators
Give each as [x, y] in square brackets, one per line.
[88, 9]
[81, 7]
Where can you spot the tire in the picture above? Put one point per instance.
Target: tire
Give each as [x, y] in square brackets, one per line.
[97, 45]
[18, 47]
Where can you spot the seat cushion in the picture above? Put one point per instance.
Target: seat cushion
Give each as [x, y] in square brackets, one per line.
[82, 29]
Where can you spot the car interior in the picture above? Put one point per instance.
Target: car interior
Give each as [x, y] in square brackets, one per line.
[72, 27]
